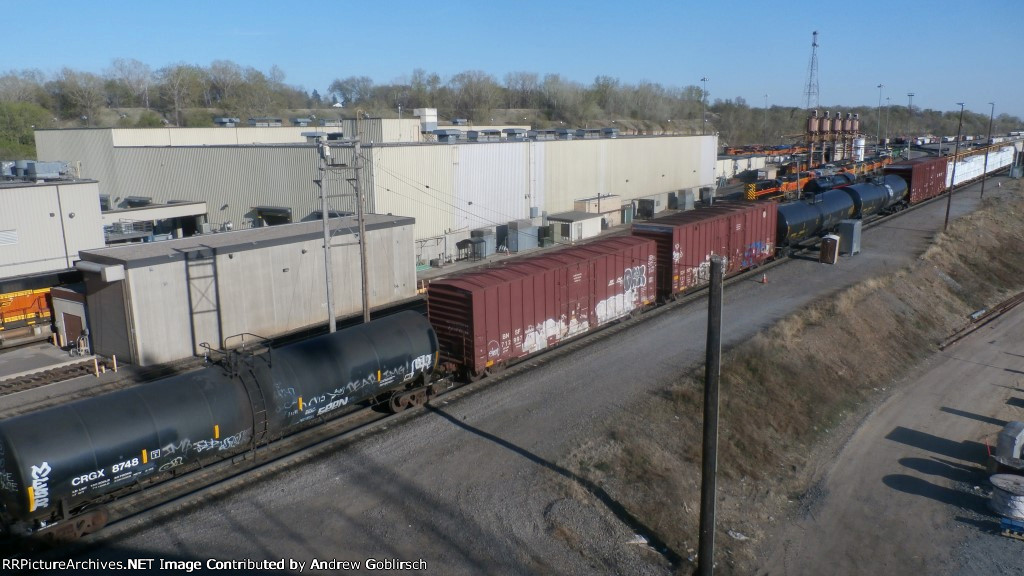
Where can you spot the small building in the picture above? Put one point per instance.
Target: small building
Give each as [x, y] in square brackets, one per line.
[224, 122]
[574, 226]
[608, 206]
[301, 121]
[161, 301]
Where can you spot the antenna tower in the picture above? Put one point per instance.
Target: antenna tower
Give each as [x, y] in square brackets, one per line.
[811, 90]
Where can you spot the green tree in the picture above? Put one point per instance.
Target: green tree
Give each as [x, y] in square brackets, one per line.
[18, 121]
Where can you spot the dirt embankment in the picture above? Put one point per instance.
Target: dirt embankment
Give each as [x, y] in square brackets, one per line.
[792, 395]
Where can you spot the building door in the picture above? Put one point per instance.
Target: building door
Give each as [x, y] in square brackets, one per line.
[72, 327]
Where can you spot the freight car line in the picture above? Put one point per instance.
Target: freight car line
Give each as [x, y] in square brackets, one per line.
[295, 352]
[199, 484]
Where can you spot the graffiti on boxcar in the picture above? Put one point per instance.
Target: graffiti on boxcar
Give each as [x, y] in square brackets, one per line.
[755, 253]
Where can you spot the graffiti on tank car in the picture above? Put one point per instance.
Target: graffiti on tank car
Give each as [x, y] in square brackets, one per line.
[173, 463]
[222, 443]
[7, 482]
[40, 486]
[182, 447]
[424, 362]
[332, 406]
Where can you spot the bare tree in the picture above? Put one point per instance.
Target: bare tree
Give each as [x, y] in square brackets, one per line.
[521, 89]
[225, 78]
[181, 84]
[135, 75]
[80, 93]
[352, 89]
[473, 93]
[20, 86]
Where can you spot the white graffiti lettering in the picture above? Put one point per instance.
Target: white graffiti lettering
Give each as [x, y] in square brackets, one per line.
[177, 461]
[40, 486]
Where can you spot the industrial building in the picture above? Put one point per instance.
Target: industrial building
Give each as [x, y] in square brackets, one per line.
[160, 301]
[248, 174]
[45, 225]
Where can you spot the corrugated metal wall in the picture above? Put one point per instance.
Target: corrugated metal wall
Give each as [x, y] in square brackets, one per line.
[232, 180]
[491, 183]
[417, 181]
[432, 182]
[212, 297]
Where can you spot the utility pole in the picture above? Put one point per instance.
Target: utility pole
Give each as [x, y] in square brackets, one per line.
[324, 153]
[358, 164]
[952, 180]
[703, 106]
[988, 148]
[709, 453]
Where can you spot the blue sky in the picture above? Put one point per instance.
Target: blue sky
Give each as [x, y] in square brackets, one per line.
[943, 51]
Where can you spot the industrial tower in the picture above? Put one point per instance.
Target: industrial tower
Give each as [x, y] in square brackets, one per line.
[811, 91]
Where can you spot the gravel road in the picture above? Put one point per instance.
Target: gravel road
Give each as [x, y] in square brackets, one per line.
[474, 486]
[908, 493]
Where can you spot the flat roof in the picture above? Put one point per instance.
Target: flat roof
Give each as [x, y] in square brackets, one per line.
[33, 183]
[574, 216]
[149, 253]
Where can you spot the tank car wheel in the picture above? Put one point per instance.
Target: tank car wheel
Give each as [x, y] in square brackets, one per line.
[419, 397]
[81, 525]
[398, 402]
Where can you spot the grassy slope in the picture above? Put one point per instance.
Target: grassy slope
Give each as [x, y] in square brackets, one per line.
[788, 387]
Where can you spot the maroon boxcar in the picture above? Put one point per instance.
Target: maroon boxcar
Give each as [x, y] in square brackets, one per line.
[744, 233]
[487, 318]
[926, 177]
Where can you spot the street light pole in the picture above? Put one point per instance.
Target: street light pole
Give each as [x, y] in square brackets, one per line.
[952, 180]
[910, 112]
[888, 105]
[988, 148]
[765, 139]
[878, 128]
[703, 105]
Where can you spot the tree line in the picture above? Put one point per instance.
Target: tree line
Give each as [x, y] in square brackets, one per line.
[130, 93]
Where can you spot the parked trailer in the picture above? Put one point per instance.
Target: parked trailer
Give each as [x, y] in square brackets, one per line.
[485, 319]
[743, 233]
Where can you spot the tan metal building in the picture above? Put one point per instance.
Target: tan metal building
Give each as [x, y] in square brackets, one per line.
[158, 302]
[449, 188]
[44, 226]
